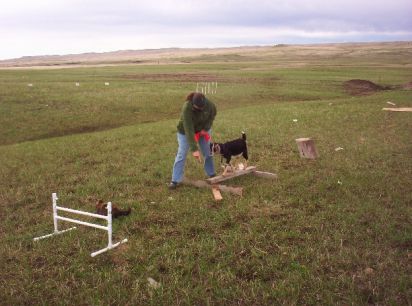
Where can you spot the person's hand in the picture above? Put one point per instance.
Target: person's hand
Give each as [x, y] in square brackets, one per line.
[196, 155]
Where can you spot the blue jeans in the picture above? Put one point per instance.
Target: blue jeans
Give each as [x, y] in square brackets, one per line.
[179, 165]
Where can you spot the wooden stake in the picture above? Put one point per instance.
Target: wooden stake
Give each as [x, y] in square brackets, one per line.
[307, 148]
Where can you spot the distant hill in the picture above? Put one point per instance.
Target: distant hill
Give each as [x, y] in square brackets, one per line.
[184, 55]
[122, 56]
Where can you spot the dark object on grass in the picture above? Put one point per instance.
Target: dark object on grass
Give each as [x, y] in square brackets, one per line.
[101, 209]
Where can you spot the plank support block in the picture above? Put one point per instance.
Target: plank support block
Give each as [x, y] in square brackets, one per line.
[216, 193]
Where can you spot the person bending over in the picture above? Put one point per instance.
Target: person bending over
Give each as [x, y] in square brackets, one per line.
[194, 133]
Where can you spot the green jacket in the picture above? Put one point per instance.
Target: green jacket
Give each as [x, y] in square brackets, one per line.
[192, 121]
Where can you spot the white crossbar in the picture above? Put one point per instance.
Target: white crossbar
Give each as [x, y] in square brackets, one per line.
[107, 228]
[85, 213]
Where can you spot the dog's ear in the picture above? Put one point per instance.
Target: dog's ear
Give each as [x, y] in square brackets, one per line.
[101, 208]
[211, 148]
[216, 148]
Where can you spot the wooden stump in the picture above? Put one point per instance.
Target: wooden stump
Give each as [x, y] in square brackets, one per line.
[307, 148]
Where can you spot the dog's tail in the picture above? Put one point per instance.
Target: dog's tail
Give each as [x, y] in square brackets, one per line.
[244, 136]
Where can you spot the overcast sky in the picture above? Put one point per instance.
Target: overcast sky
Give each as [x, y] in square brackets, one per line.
[40, 27]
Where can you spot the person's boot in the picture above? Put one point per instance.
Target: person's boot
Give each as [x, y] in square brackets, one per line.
[172, 185]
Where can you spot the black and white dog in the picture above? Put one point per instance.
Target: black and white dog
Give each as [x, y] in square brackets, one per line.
[231, 149]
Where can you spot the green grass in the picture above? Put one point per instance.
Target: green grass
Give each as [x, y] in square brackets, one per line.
[54, 106]
[302, 239]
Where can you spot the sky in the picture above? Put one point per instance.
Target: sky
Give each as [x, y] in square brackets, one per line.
[48, 27]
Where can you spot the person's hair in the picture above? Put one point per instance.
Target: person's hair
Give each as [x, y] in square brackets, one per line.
[190, 96]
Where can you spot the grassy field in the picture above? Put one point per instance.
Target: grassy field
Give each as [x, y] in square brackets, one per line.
[336, 230]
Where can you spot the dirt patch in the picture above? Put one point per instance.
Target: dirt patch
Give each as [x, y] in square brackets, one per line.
[193, 77]
[407, 85]
[404, 245]
[180, 77]
[362, 87]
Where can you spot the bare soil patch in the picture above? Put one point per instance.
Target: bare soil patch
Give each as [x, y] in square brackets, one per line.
[407, 85]
[181, 77]
[192, 77]
[362, 87]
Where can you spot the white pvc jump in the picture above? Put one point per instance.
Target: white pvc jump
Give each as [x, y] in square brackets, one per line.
[107, 228]
[206, 87]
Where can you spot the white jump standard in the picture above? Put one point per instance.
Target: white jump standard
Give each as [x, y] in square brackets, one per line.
[107, 228]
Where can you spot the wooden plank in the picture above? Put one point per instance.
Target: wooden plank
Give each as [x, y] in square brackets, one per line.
[203, 184]
[398, 109]
[216, 193]
[267, 175]
[221, 178]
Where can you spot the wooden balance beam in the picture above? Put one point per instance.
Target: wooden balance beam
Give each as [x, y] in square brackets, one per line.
[213, 182]
[203, 184]
[251, 169]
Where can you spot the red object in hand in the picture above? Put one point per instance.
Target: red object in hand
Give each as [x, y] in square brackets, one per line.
[200, 134]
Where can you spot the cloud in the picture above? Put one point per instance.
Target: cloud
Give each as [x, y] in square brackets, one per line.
[372, 14]
[111, 25]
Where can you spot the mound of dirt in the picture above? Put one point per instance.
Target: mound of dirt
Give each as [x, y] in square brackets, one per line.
[361, 87]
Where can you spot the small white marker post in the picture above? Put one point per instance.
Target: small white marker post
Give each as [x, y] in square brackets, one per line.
[206, 87]
[107, 228]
